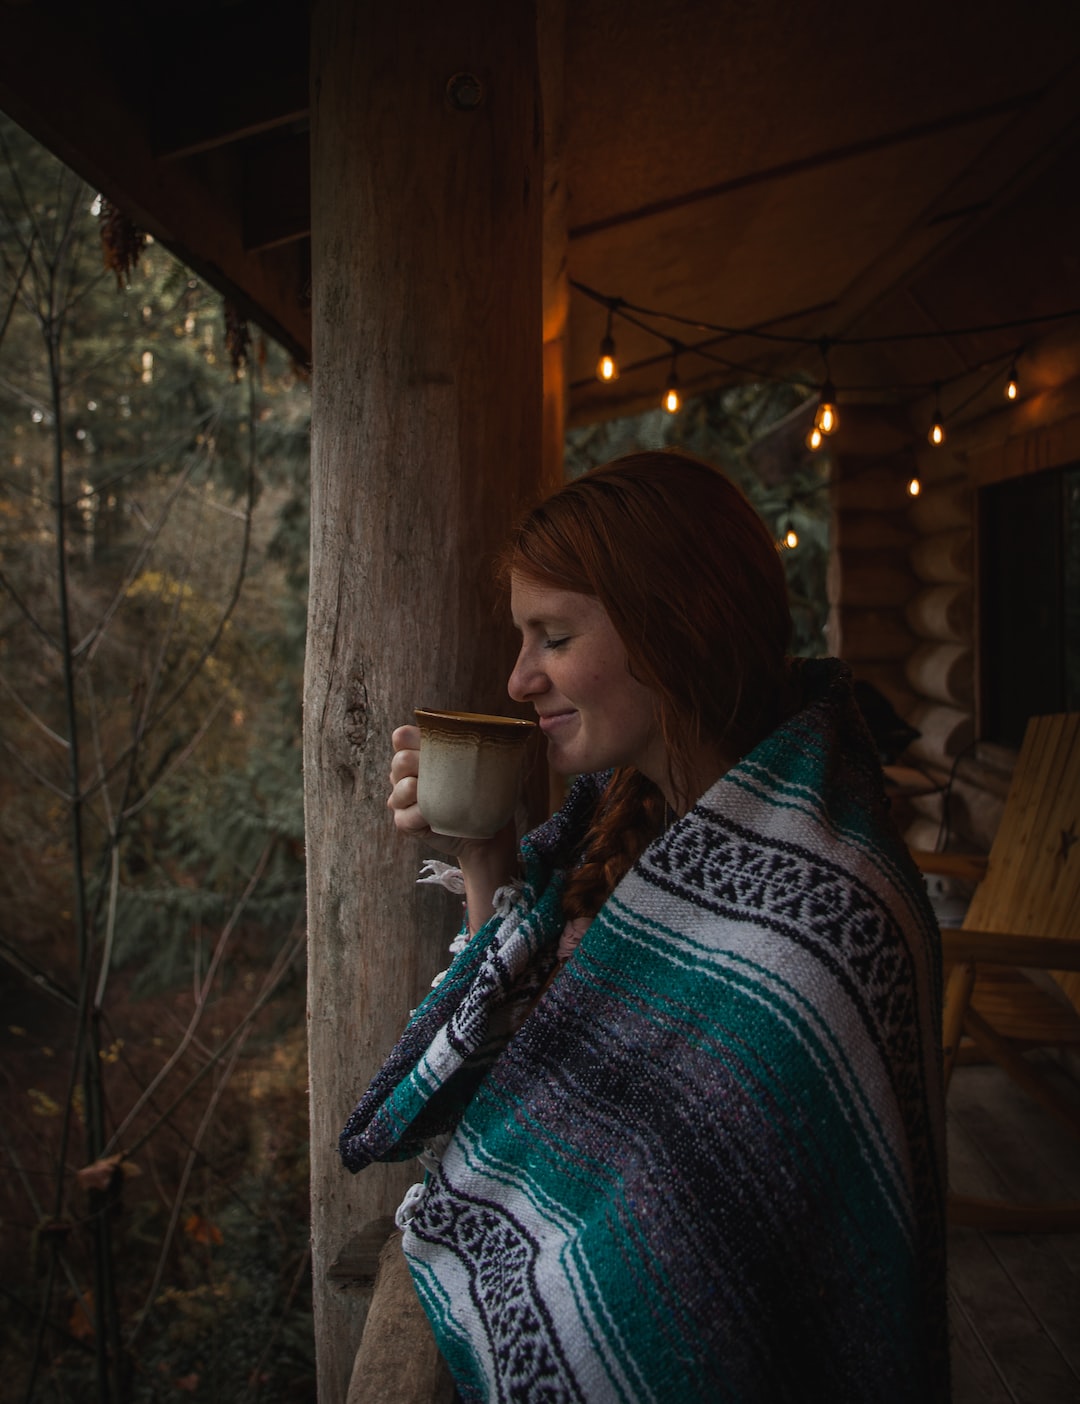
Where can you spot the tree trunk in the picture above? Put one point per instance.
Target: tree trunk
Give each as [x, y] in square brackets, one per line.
[426, 215]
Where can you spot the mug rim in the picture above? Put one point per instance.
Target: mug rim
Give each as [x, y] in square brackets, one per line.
[431, 716]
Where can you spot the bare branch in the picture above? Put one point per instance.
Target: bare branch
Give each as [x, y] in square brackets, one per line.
[200, 1006]
[176, 762]
[31, 714]
[27, 613]
[280, 970]
[178, 1200]
[39, 977]
[30, 770]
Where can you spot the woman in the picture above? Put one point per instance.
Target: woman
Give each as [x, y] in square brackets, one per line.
[679, 1095]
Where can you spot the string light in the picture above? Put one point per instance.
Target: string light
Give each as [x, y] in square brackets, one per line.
[827, 419]
[937, 430]
[814, 439]
[914, 487]
[607, 368]
[672, 398]
[791, 536]
[1012, 388]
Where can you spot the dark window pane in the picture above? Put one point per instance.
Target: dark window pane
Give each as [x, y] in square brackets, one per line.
[1029, 568]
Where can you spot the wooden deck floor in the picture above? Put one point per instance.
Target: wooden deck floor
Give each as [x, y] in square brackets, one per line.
[1014, 1299]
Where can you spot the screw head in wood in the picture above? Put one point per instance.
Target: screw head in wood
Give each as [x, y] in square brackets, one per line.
[464, 92]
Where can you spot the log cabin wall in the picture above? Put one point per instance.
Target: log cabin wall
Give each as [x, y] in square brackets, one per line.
[904, 579]
[940, 670]
[870, 578]
[902, 614]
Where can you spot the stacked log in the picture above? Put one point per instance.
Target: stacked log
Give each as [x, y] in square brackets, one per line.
[940, 670]
[870, 580]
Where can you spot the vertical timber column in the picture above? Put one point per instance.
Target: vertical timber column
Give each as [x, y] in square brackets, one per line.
[427, 198]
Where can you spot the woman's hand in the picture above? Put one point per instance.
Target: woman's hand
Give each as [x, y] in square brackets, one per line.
[404, 769]
[485, 863]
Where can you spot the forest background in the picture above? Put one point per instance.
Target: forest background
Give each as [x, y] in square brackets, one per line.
[153, 566]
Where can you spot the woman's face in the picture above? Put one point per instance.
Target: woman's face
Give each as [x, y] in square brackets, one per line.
[573, 668]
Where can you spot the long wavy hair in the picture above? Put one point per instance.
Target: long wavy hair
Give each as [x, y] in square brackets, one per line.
[692, 581]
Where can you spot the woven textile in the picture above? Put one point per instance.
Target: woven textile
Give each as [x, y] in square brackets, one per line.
[709, 1166]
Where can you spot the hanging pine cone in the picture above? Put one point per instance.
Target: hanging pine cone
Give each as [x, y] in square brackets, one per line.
[121, 242]
[237, 336]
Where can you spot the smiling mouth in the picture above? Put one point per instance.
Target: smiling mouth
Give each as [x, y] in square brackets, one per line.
[554, 720]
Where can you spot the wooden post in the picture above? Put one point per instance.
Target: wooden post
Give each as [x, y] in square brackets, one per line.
[427, 198]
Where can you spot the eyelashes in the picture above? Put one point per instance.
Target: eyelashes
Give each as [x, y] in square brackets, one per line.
[555, 643]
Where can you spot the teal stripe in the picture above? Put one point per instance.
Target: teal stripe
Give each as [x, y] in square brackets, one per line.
[757, 981]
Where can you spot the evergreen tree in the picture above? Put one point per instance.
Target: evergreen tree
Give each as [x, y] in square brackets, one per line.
[153, 467]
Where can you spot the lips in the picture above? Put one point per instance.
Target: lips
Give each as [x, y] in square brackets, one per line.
[554, 720]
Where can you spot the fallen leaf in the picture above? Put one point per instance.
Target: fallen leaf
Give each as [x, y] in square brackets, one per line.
[80, 1323]
[201, 1230]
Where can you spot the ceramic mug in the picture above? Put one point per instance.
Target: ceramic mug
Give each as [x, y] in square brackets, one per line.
[470, 770]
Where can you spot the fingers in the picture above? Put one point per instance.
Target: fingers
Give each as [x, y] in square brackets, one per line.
[404, 768]
[403, 764]
[406, 738]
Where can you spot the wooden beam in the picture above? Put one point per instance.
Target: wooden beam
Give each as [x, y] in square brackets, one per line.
[426, 443]
[250, 76]
[277, 190]
[812, 162]
[85, 117]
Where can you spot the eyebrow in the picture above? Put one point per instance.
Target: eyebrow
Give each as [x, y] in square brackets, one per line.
[542, 622]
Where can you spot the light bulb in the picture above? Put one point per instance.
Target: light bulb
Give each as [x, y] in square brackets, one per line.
[791, 537]
[814, 439]
[937, 430]
[1012, 389]
[607, 367]
[914, 487]
[827, 418]
[672, 398]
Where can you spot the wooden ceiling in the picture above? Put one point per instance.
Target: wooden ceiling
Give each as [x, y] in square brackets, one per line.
[857, 169]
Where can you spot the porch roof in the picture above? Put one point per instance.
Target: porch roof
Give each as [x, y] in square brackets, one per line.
[858, 170]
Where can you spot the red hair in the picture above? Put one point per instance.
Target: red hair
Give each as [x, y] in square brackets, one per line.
[692, 581]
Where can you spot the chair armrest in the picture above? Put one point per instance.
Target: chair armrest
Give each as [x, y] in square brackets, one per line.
[970, 867]
[1008, 948]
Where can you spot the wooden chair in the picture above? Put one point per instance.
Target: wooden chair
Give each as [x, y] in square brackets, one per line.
[1024, 919]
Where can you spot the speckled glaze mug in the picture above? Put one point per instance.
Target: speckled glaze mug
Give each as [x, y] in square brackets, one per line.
[470, 770]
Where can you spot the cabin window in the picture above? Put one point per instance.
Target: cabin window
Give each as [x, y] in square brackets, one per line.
[1029, 569]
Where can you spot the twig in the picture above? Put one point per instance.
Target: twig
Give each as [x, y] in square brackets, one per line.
[28, 613]
[44, 981]
[252, 1013]
[253, 1378]
[178, 1200]
[33, 716]
[177, 760]
[200, 1006]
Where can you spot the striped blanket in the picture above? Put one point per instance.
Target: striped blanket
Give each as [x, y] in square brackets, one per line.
[709, 1166]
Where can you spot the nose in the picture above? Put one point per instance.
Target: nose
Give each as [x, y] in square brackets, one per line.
[528, 679]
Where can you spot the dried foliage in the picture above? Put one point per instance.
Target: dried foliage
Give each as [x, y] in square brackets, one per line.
[237, 336]
[121, 243]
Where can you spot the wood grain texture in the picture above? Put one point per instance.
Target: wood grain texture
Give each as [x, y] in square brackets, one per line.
[398, 1361]
[426, 444]
[1014, 1298]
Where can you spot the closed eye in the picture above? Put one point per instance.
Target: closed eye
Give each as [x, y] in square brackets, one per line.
[556, 643]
